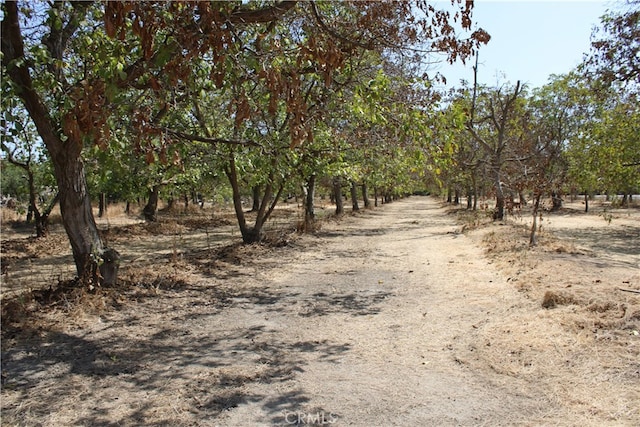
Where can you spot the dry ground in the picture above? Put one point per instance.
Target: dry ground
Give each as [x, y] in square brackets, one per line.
[409, 314]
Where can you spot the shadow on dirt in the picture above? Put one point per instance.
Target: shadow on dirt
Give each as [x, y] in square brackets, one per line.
[208, 371]
[206, 374]
[353, 304]
[625, 241]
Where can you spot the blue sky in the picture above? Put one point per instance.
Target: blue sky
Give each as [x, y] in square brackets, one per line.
[530, 40]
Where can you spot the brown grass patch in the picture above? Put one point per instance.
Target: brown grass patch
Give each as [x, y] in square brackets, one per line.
[589, 338]
[60, 304]
[553, 299]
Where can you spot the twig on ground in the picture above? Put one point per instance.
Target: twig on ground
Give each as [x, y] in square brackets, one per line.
[635, 291]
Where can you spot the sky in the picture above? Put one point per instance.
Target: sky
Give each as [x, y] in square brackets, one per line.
[530, 40]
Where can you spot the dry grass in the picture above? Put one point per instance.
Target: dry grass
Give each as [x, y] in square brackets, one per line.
[578, 336]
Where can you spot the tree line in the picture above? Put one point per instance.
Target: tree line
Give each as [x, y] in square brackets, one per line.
[131, 100]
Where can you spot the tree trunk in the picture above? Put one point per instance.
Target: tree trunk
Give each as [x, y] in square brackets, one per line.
[255, 191]
[533, 238]
[94, 262]
[102, 205]
[337, 195]
[42, 222]
[150, 211]
[556, 201]
[475, 190]
[185, 199]
[365, 195]
[522, 198]
[75, 203]
[33, 212]
[309, 212]
[263, 213]
[251, 234]
[586, 202]
[498, 214]
[232, 175]
[354, 197]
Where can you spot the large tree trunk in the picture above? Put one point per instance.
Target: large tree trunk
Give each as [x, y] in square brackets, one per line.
[94, 262]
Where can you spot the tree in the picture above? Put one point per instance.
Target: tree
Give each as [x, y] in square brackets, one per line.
[38, 78]
[603, 153]
[615, 48]
[493, 122]
[22, 149]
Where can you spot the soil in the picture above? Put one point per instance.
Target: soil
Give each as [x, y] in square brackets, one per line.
[408, 314]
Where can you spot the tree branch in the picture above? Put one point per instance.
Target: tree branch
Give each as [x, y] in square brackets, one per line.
[199, 138]
[265, 15]
[333, 33]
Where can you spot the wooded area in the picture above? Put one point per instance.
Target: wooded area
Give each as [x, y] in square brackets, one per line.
[224, 172]
[248, 102]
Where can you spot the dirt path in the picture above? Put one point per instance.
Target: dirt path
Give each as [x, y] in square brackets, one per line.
[386, 319]
[393, 304]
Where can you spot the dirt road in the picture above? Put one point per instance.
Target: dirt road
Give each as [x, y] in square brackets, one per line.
[384, 319]
[393, 305]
